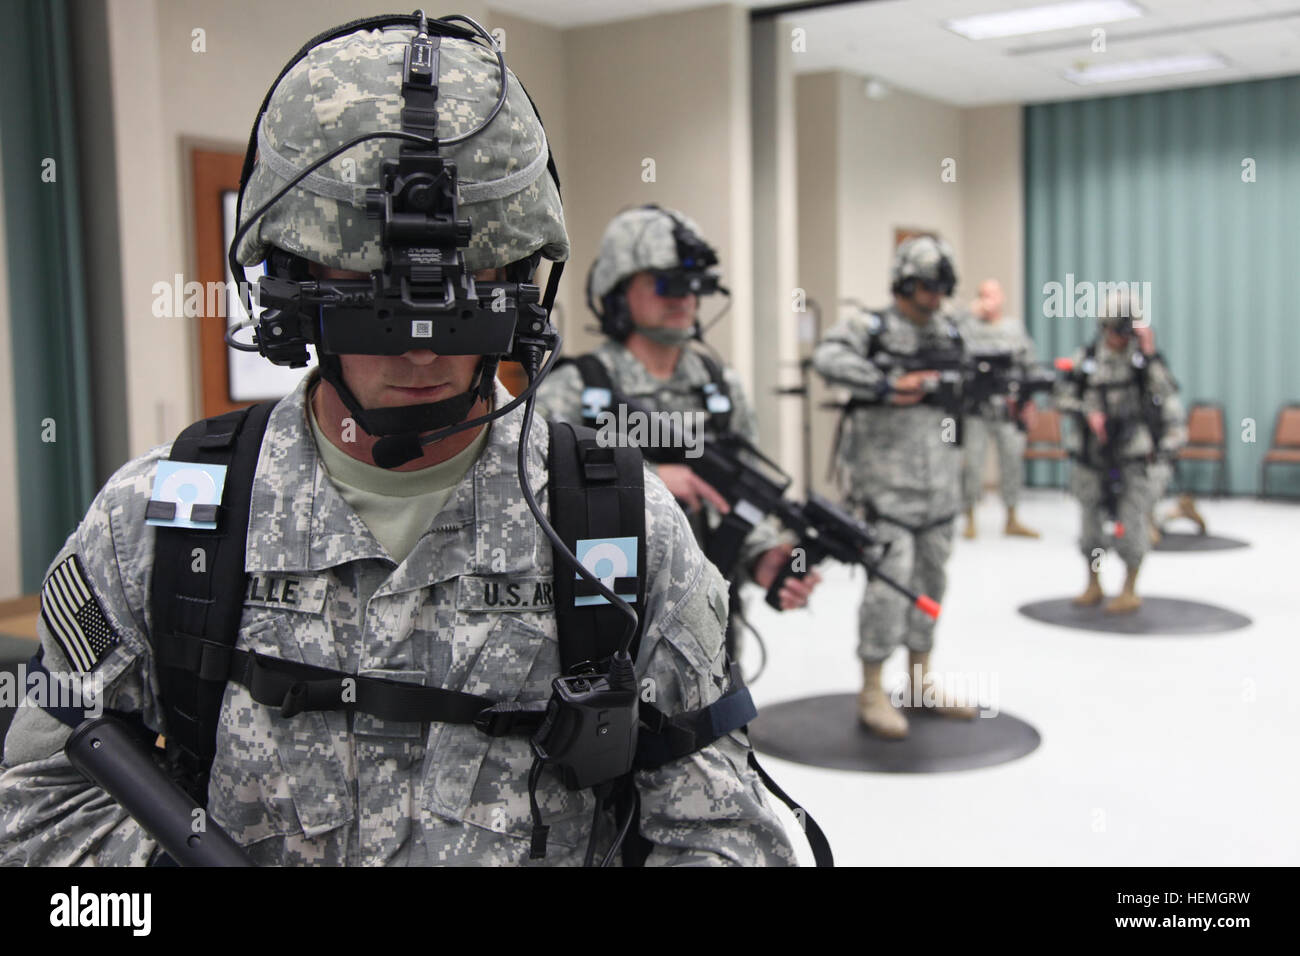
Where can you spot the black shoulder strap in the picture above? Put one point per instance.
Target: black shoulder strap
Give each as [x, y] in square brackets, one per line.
[595, 378]
[597, 495]
[198, 588]
[720, 412]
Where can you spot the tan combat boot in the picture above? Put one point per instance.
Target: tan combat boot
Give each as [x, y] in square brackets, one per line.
[1187, 509]
[1127, 601]
[1016, 529]
[875, 711]
[1092, 596]
[918, 672]
[969, 533]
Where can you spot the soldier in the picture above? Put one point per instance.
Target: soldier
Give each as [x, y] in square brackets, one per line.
[989, 329]
[898, 460]
[398, 575]
[645, 288]
[1128, 416]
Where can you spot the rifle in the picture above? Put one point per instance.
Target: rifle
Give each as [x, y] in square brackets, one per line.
[108, 753]
[969, 379]
[823, 529]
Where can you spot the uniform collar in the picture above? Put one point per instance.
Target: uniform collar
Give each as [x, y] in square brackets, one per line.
[300, 522]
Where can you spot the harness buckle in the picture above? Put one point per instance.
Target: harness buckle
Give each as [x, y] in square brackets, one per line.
[510, 716]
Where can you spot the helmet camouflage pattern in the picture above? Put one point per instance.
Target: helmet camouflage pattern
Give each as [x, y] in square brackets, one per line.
[920, 258]
[353, 85]
[636, 240]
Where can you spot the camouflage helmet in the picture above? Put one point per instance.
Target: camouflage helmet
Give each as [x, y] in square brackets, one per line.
[1117, 312]
[636, 240]
[923, 257]
[353, 85]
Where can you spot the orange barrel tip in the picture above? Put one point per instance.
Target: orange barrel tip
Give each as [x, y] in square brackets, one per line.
[928, 606]
[1064, 364]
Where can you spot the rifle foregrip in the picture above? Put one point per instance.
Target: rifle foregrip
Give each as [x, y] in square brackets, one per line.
[107, 753]
[774, 592]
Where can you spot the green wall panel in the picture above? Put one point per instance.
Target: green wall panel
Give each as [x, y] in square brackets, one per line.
[1149, 188]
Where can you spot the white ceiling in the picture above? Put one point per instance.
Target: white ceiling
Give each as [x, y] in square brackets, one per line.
[904, 43]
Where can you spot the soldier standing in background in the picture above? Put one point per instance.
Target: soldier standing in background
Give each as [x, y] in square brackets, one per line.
[898, 461]
[645, 288]
[1128, 416]
[988, 329]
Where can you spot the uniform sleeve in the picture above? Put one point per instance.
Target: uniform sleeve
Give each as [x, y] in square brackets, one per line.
[92, 630]
[841, 357]
[766, 534]
[1172, 412]
[560, 396]
[1027, 351]
[708, 808]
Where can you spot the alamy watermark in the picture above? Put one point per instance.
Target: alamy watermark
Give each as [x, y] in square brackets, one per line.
[1085, 299]
[641, 429]
[42, 689]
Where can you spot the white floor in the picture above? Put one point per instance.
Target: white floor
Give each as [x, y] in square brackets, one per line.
[1174, 751]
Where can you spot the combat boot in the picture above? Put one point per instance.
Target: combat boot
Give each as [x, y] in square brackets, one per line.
[1187, 509]
[1092, 596]
[918, 672]
[1016, 529]
[1127, 601]
[875, 711]
[969, 533]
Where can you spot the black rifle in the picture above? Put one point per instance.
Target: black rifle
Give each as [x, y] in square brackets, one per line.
[107, 752]
[755, 487]
[968, 380]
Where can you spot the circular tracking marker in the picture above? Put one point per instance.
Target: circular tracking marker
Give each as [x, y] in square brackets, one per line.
[825, 732]
[1186, 541]
[1158, 616]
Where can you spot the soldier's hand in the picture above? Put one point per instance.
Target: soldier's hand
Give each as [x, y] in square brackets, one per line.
[912, 387]
[688, 487]
[1146, 337]
[794, 591]
[1097, 422]
[1029, 415]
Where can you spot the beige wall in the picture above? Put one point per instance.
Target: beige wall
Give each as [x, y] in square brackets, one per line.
[10, 552]
[991, 175]
[867, 167]
[675, 89]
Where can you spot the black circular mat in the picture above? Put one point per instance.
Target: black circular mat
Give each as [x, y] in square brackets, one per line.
[1156, 616]
[824, 732]
[1186, 541]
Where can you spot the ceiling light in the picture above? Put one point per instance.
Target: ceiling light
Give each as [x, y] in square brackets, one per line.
[1051, 16]
[1139, 69]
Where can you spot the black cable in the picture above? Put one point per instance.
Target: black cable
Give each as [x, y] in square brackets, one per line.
[762, 645]
[716, 319]
[560, 548]
[633, 812]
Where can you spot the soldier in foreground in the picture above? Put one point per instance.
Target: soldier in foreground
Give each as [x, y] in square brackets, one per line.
[1000, 418]
[899, 462]
[390, 546]
[1128, 418]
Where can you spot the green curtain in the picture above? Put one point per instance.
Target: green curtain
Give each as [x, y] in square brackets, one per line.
[1151, 188]
[46, 295]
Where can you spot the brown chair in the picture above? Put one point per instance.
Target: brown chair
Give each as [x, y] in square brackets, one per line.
[1286, 444]
[1043, 441]
[1205, 442]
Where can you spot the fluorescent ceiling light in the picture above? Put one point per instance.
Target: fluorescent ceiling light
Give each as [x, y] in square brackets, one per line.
[1051, 16]
[1139, 69]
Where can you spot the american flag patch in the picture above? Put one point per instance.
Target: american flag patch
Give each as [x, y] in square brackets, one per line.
[73, 616]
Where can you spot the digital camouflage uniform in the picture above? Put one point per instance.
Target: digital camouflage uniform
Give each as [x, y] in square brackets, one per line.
[323, 788]
[1138, 451]
[561, 397]
[903, 462]
[995, 419]
[333, 788]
